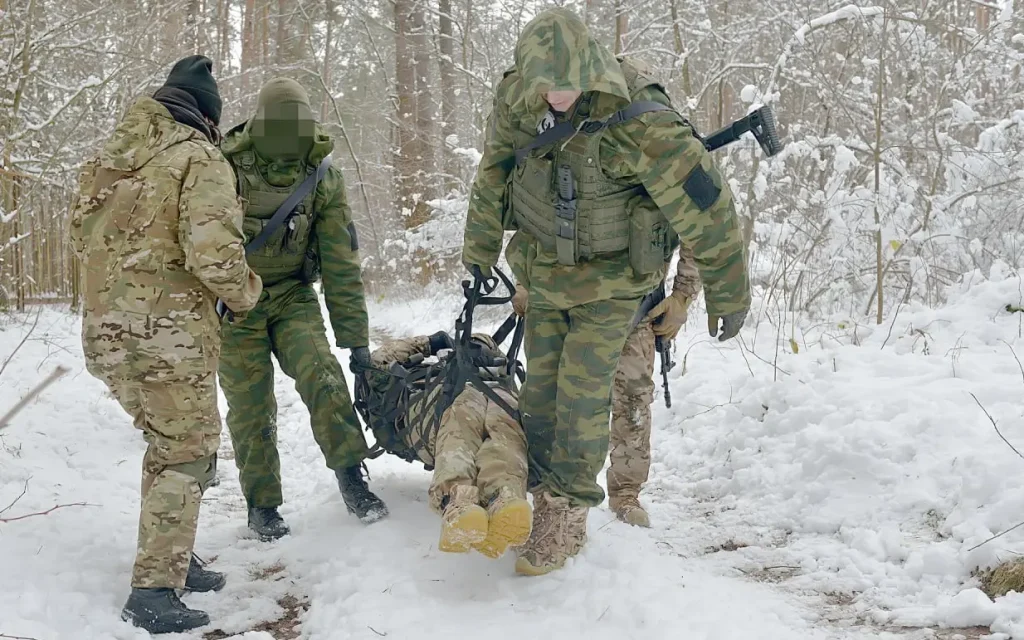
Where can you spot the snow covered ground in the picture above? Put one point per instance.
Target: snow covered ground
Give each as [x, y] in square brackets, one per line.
[836, 492]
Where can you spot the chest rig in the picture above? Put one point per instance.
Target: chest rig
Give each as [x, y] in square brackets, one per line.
[288, 251]
[560, 195]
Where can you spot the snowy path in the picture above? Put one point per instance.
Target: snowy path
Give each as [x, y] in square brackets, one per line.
[838, 502]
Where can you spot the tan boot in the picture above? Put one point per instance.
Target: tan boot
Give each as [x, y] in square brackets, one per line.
[559, 532]
[464, 522]
[511, 520]
[629, 510]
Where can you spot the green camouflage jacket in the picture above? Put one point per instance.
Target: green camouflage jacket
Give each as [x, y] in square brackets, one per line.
[334, 235]
[656, 150]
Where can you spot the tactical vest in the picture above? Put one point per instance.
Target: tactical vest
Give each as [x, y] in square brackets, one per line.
[564, 200]
[289, 252]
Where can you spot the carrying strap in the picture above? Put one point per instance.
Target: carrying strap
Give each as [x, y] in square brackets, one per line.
[288, 206]
[566, 129]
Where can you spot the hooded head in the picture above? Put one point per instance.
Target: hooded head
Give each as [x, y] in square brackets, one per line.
[283, 128]
[556, 53]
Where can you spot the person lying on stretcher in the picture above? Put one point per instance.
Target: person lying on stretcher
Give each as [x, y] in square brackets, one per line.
[476, 447]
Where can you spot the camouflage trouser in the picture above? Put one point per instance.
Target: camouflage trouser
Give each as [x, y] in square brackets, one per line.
[181, 423]
[479, 444]
[287, 323]
[571, 361]
[632, 395]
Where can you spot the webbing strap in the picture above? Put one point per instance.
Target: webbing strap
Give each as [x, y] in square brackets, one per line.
[286, 208]
[566, 129]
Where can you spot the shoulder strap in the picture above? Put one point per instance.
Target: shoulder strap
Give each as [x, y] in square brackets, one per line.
[564, 130]
[286, 208]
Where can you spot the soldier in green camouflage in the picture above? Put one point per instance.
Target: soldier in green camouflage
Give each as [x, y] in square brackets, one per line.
[272, 154]
[629, 454]
[157, 228]
[596, 214]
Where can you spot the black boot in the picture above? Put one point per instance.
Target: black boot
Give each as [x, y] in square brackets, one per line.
[358, 497]
[267, 523]
[160, 611]
[200, 579]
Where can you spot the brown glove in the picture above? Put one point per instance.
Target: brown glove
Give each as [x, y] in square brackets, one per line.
[520, 301]
[669, 316]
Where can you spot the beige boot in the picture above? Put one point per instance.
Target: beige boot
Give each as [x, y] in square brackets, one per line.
[511, 520]
[629, 510]
[559, 532]
[464, 522]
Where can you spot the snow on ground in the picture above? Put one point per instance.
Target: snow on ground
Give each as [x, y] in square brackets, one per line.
[840, 501]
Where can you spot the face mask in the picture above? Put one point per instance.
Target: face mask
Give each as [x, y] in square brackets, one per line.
[283, 131]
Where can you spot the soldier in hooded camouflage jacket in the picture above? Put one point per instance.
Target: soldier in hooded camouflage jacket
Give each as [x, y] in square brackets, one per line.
[572, 203]
[157, 228]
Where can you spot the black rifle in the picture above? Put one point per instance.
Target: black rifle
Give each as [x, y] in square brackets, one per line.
[662, 346]
[761, 123]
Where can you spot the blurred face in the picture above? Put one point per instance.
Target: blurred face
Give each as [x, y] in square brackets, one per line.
[561, 100]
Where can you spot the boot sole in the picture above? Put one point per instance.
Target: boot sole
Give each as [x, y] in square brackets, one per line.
[460, 535]
[267, 537]
[510, 526]
[155, 627]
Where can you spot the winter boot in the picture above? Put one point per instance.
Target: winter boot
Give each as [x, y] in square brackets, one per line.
[200, 579]
[267, 523]
[357, 495]
[510, 521]
[464, 522]
[629, 510]
[559, 532]
[160, 611]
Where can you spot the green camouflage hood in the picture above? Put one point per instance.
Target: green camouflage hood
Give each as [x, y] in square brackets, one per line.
[145, 131]
[284, 127]
[556, 52]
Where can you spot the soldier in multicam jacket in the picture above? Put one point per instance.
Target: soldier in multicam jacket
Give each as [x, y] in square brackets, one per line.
[633, 391]
[478, 451]
[593, 213]
[272, 154]
[157, 228]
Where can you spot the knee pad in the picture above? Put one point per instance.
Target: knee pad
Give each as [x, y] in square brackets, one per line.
[203, 470]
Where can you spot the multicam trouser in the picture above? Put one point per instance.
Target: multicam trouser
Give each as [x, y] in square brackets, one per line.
[180, 421]
[564, 402]
[287, 323]
[632, 395]
[478, 443]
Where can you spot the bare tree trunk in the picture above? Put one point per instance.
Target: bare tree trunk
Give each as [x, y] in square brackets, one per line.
[328, 53]
[677, 36]
[621, 25]
[877, 153]
[249, 56]
[446, 69]
[193, 21]
[414, 114]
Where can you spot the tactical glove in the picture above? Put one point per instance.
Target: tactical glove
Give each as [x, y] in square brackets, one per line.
[731, 325]
[669, 316]
[439, 342]
[520, 301]
[360, 360]
[472, 269]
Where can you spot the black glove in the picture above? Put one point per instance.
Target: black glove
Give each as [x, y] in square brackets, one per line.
[360, 360]
[473, 269]
[731, 325]
[440, 341]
